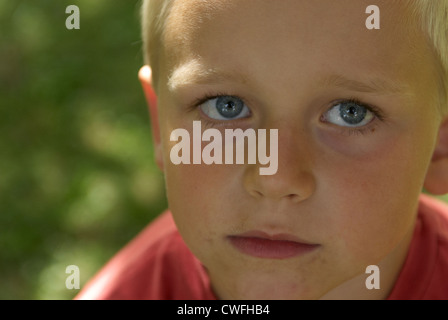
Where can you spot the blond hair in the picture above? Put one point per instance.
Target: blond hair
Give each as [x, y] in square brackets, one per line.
[154, 14]
[433, 18]
[431, 14]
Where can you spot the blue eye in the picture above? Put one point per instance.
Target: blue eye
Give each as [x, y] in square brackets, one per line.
[349, 114]
[225, 108]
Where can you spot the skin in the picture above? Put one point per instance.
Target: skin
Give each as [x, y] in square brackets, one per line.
[354, 193]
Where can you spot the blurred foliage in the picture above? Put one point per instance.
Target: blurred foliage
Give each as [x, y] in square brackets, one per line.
[77, 174]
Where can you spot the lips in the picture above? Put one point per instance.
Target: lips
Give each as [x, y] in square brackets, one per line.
[262, 245]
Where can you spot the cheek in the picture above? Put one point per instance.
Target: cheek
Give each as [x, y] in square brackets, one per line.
[191, 202]
[376, 191]
[196, 186]
[197, 193]
[200, 197]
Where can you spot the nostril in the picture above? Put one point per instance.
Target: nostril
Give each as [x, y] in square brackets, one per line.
[293, 185]
[293, 197]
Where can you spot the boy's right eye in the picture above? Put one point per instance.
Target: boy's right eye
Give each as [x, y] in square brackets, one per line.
[225, 108]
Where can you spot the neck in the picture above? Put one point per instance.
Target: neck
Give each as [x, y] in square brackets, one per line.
[389, 268]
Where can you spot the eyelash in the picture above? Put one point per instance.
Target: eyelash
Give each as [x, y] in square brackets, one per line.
[211, 96]
[369, 128]
[209, 123]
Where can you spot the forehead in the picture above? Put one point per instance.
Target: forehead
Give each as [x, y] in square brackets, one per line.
[251, 35]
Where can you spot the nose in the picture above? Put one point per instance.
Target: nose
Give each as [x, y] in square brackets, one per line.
[294, 179]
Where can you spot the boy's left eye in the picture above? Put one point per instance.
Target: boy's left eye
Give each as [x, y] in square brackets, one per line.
[225, 108]
[349, 114]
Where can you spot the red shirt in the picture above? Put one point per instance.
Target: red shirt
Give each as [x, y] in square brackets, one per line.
[425, 272]
[157, 264]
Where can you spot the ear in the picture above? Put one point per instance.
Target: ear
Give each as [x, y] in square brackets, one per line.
[145, 77]
[436, 180]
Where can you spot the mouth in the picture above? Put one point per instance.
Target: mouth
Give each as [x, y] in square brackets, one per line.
[278, 246]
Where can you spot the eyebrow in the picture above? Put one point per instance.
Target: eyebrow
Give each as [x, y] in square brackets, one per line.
[373, 85]
[193, 73]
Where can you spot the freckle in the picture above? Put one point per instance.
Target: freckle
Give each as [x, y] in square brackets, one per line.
[372, 130]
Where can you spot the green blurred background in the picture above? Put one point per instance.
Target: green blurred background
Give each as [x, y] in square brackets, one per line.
[77, 174]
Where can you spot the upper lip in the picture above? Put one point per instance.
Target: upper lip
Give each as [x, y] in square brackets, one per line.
[274, 237]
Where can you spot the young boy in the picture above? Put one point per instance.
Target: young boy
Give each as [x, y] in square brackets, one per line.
[361, 114]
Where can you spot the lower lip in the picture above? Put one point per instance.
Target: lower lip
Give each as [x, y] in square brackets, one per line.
[270, 249]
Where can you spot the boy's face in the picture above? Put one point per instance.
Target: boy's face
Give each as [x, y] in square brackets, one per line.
[351, 192]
